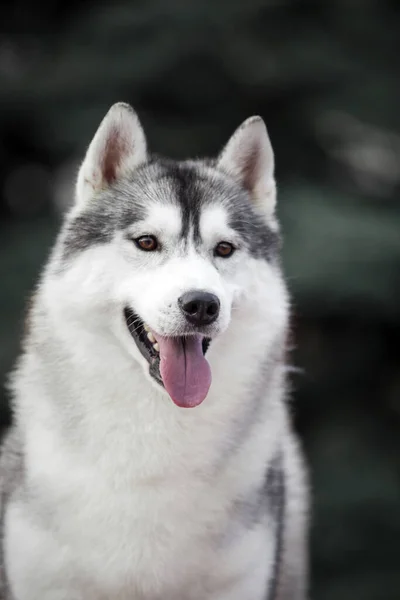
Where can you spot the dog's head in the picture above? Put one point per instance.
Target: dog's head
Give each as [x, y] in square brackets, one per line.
[168, 255]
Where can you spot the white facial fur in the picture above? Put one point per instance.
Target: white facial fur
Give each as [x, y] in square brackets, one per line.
[109, 277]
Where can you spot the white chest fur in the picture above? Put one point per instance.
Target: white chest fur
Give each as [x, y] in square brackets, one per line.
[138, 500]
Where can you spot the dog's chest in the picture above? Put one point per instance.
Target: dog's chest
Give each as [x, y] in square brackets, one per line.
[156, 541]
[142, 515]
[154, 532]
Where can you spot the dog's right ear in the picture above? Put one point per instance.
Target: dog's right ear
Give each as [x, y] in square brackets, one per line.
[118, 147]
[249, 158]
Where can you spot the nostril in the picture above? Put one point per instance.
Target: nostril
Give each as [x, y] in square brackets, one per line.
[212, 309]
[192, 308]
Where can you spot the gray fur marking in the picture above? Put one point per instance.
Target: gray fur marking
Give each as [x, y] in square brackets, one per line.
[11, 478]
[189, 186]
[276, 494]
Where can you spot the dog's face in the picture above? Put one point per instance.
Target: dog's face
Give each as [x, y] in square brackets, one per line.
[169, 254]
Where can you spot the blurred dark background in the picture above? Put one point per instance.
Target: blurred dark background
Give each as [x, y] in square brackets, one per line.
[325, 76]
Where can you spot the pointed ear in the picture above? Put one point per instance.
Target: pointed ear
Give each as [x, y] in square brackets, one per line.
[118, 146]
[249, 158]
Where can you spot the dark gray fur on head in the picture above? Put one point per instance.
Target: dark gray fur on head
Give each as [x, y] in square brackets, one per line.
[190, 185]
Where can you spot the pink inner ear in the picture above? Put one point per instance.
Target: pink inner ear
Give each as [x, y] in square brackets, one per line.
[116, 147]
[250, 168]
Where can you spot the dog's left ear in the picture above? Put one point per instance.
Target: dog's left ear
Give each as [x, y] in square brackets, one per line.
[249, 158]
[118, 147]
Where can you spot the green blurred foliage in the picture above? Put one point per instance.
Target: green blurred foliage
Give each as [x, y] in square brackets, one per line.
[324, 75]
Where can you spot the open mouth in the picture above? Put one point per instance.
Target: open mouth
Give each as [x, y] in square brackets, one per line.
[177, 363]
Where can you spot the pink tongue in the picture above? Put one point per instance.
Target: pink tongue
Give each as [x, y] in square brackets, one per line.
[185, 372]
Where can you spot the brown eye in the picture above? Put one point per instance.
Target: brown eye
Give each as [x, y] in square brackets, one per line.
[148, 243]
[224, 249]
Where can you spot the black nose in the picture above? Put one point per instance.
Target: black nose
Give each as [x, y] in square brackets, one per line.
[199, 308]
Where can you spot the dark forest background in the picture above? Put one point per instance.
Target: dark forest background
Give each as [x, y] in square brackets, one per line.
[325, 77]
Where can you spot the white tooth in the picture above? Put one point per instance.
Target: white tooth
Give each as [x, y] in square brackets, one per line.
[156, 347]
[146, 327]
[151, 337]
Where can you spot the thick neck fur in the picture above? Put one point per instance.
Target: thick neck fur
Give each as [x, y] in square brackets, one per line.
[76, 381]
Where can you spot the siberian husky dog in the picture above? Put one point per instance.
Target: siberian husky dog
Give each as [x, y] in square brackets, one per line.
[151, 455]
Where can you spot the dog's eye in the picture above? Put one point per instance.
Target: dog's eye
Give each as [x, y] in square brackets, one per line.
[224, 249]
[148, 243]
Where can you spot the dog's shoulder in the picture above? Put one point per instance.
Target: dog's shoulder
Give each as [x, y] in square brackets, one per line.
[11, 475]
[11, 461]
